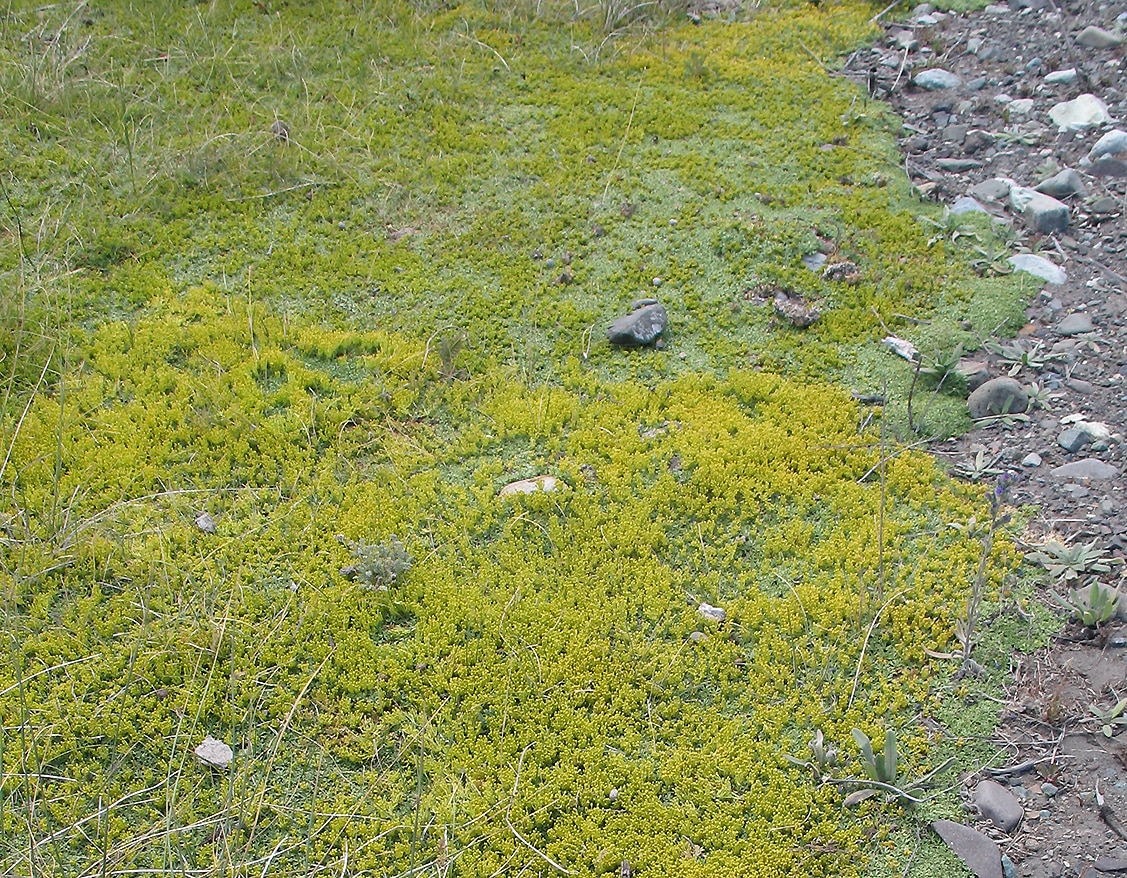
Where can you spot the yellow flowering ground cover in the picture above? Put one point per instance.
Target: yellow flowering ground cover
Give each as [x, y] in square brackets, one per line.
[335, 275]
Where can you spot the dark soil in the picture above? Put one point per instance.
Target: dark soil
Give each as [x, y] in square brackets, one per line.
[1048, 730]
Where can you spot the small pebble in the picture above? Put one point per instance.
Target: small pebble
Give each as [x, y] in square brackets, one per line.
[1049, 789]
[1031, 460]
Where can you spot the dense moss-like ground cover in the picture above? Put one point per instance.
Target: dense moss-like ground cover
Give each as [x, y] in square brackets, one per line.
[362, 327]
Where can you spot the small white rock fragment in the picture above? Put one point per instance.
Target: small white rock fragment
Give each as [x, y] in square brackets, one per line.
[1086, 111]
[205, 522]
[1039, 266]
[902, 348]
[937, 79]
[529, 486]
[714, 614]
[613, 794]
[214, 753]
[1032, 459]
[1062, 77]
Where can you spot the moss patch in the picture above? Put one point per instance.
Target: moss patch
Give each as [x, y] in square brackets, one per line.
[369, 320]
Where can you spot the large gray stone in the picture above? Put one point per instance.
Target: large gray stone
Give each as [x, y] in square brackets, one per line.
[1076, 323]
[1086, 111]
[1113, 144]
[1089, 468]
[1042, 212]
[998, 396]
[1073, 439]
[998, 805]
[936, 79]
[640, 327]
[1097, 38]
[1062, 185]
[982, 856]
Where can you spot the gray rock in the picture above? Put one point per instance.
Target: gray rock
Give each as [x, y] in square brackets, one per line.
[966, 204]
[1072, 439]
[1020, 107]
[1104, 206]
[957, 166]
[981, 855]
[1061, 185]
[1032, 459]
[1042, 212]
[998, 805]
[906, 39]
[1112, 863]
[638, 328]
[1049, 789]
[1108, 167]
[814, 261]
[975, 372]
[1097, 38]
[205, 522]
[214, 753]
[937, 79]
[991, 190]
[1062, 77]
[1038, 266]
[1085, 111]
[1089, 468]
[1009, 870]
[1075, 324]
[998, 396]
[1111, 144]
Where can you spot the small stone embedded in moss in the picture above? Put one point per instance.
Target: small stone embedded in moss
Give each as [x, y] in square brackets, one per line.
[205, 522]
[642, 326]
[529, 486]
[713, 614]
[215, 753]
[796, 310]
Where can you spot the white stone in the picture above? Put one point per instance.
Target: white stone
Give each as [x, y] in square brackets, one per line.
[214, 753]
[1031, 460]
[715, 614]
[935, 79]
[1112, 143]
[529, 486]
[205, 522]
[1062, 77]
[1039, 266]
[901, 347]
[1086, 111]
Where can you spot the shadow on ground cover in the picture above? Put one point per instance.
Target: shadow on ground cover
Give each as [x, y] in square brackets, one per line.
[260, 324]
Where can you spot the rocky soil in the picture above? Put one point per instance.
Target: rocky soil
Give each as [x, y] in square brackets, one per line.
[998, 104]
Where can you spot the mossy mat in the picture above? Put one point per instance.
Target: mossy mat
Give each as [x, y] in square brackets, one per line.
[324, 272]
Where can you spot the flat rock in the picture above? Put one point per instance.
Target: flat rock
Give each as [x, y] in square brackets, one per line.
[1111, 144]
[1089, 468]
[1039, 266]
[1097, 38]
[981, 855]
[1062, 185]
[957, 166]
[966, 204]
[998, 396]
[1086, 111]
[1062, 77]
[215, 753]
[1111, 863]
[529, 486]
[640, 327]
[1075, 324]
[205, 522]
[936, 79]
[994, 189]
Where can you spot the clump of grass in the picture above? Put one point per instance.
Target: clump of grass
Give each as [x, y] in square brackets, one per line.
[378, 566]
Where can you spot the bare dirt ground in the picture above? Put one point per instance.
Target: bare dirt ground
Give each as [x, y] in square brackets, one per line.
[995, 123]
